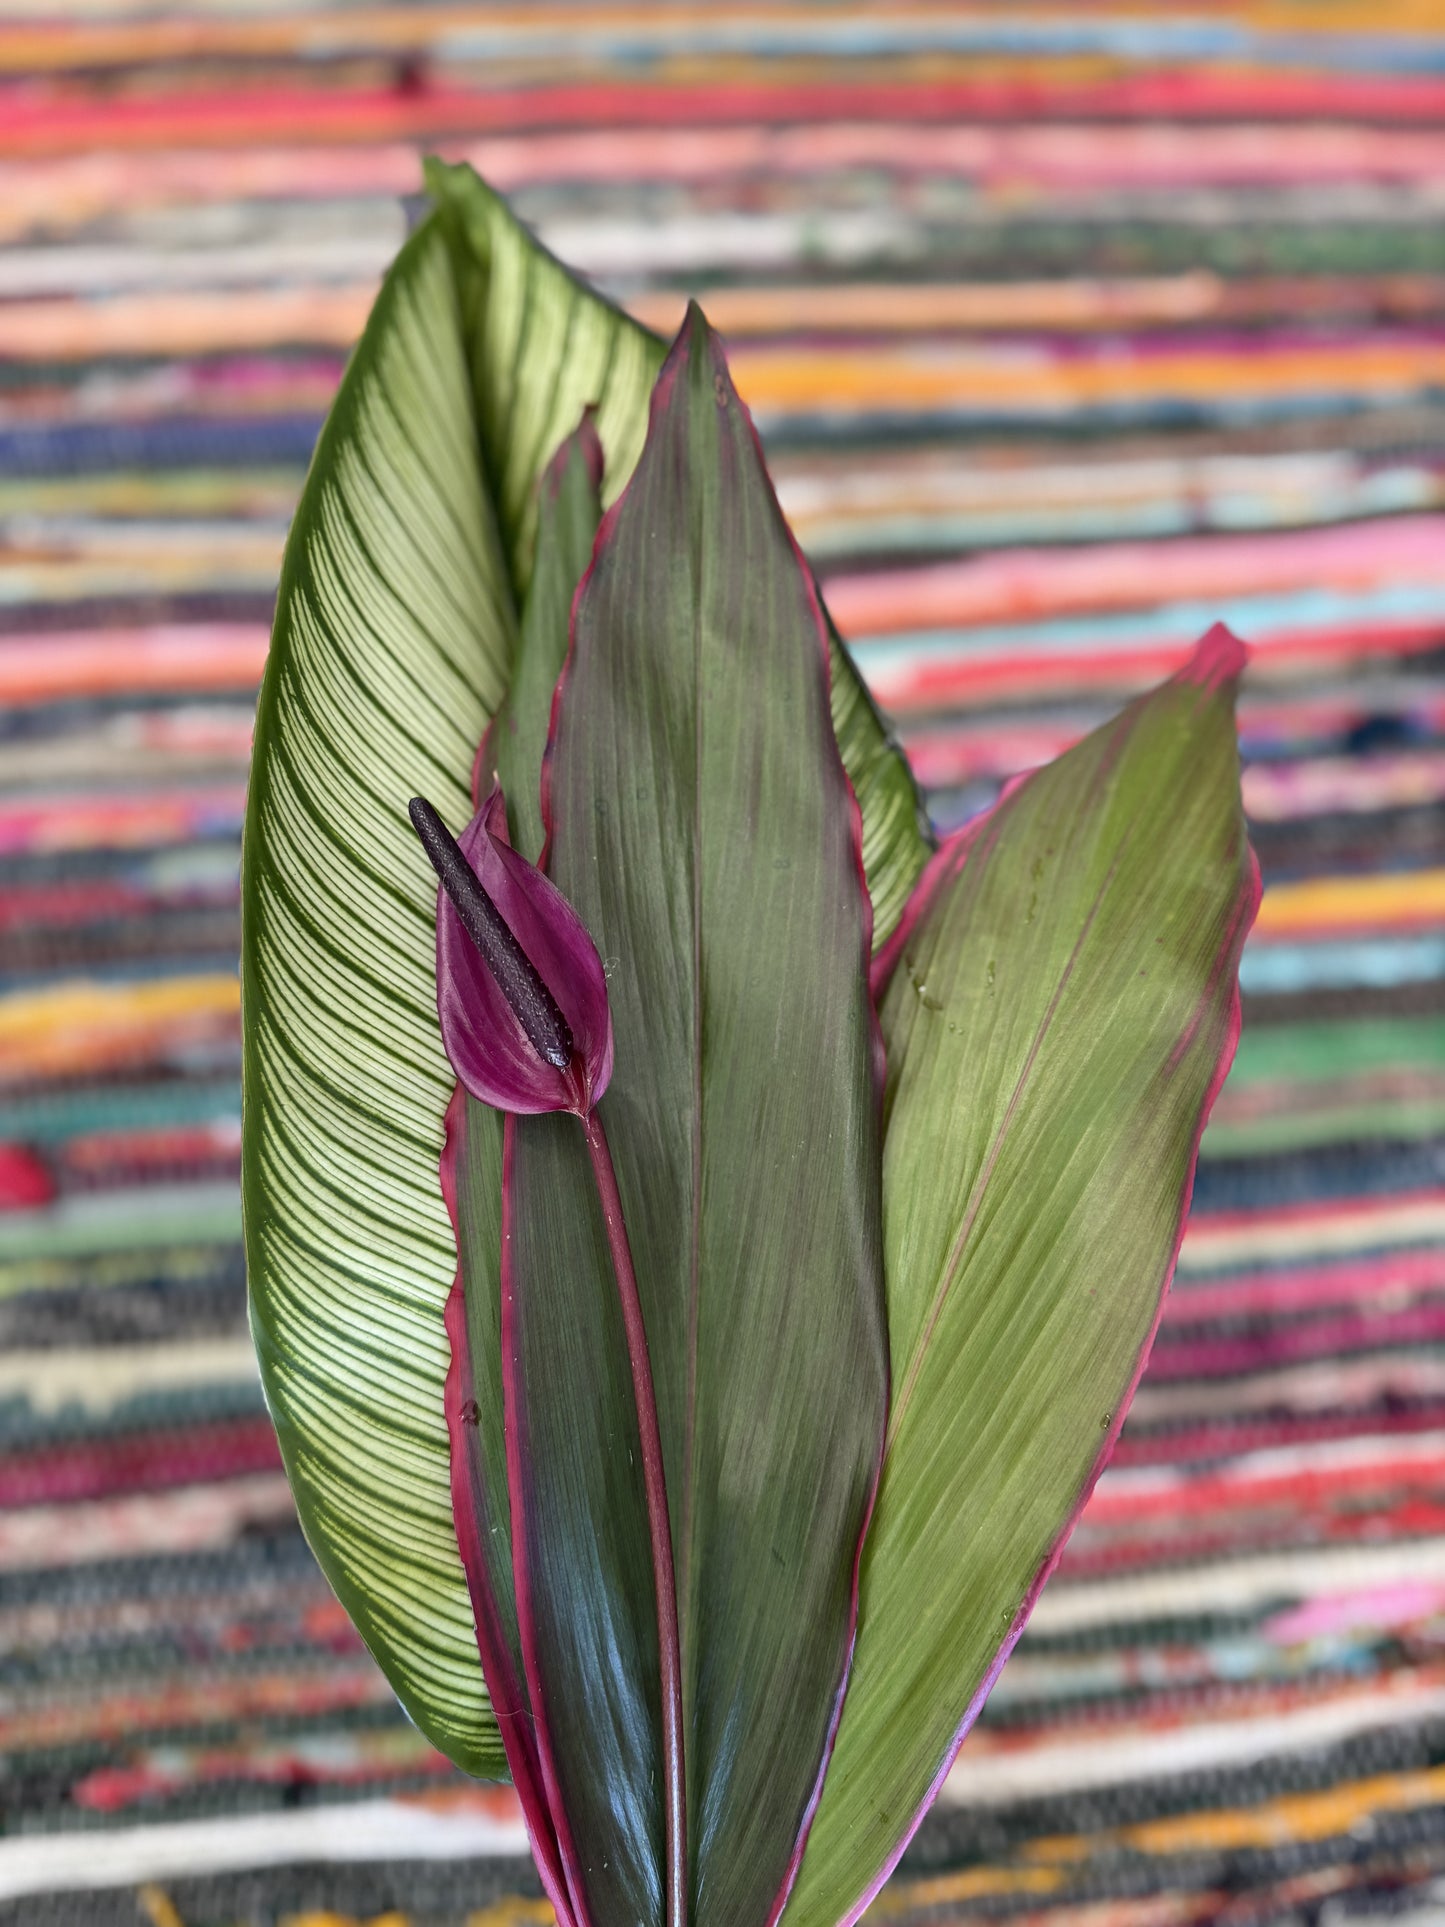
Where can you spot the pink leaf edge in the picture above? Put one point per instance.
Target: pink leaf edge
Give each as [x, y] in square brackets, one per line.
[586, 440]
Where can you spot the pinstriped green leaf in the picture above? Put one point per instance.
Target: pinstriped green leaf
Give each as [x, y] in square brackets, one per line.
[394, 629]
[543, 347]
[394, 639]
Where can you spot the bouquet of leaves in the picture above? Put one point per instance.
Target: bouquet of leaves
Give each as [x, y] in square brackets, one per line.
[702, 1238]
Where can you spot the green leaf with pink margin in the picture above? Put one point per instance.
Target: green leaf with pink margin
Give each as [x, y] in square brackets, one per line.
[702, 824]
[1062, 1009]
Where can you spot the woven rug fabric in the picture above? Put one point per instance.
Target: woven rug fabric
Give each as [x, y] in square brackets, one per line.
[1069, 331]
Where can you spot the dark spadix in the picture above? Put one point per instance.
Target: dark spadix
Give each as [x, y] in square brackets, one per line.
[532, 1003]
[520, 989]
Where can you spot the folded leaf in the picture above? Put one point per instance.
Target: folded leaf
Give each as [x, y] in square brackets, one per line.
[510, 753]
[702, 825]
[1064, 1008]
[479, 1500]
[393, 633]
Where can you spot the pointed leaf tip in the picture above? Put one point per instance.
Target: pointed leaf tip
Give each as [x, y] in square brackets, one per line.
[521, 992]
[583, 440]
[697, 346]
[1218, 658]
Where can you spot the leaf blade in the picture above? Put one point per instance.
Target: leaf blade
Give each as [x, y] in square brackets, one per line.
[708, 838]
[1010, 1386]
[569, 511]
[394, 626]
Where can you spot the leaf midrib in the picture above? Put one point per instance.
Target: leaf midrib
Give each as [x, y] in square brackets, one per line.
[689, 1521]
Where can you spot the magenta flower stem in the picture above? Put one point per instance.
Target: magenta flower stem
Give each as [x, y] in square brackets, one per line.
[669, 1647]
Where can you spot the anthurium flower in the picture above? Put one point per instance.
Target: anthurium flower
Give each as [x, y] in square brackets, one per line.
[521, 992]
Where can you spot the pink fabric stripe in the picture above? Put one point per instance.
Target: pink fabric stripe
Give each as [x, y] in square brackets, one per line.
[109, 820]
[1252, 1485]
[911, 685]
[1218, 1437]
[1060, 155]
[1227, 1357]
[1369, 1608]
[46, 122]
[1030, 585]
[69, 663]
[942, 754]
[1078, 156]
[1307, 1287]
[144, 1462]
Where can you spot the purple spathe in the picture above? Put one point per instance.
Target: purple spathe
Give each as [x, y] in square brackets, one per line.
[484, 1037]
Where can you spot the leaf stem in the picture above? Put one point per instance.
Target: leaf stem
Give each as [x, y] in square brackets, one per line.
[669, 1648]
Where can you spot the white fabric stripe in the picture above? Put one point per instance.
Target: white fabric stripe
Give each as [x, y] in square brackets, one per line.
[1235, 1585]
[191, 1518]
[990, 1776]
[1325, 1386]
[100, 1377]
[368, 1830]
[1375, 1223]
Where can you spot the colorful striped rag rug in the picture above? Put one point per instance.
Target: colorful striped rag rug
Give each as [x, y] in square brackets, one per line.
[1070, 329]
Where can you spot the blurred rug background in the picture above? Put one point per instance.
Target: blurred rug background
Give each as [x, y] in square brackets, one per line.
[1069, 331]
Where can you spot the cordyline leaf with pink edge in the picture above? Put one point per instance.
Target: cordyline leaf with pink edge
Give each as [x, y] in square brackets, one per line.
[510, 757]
[709, 840]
